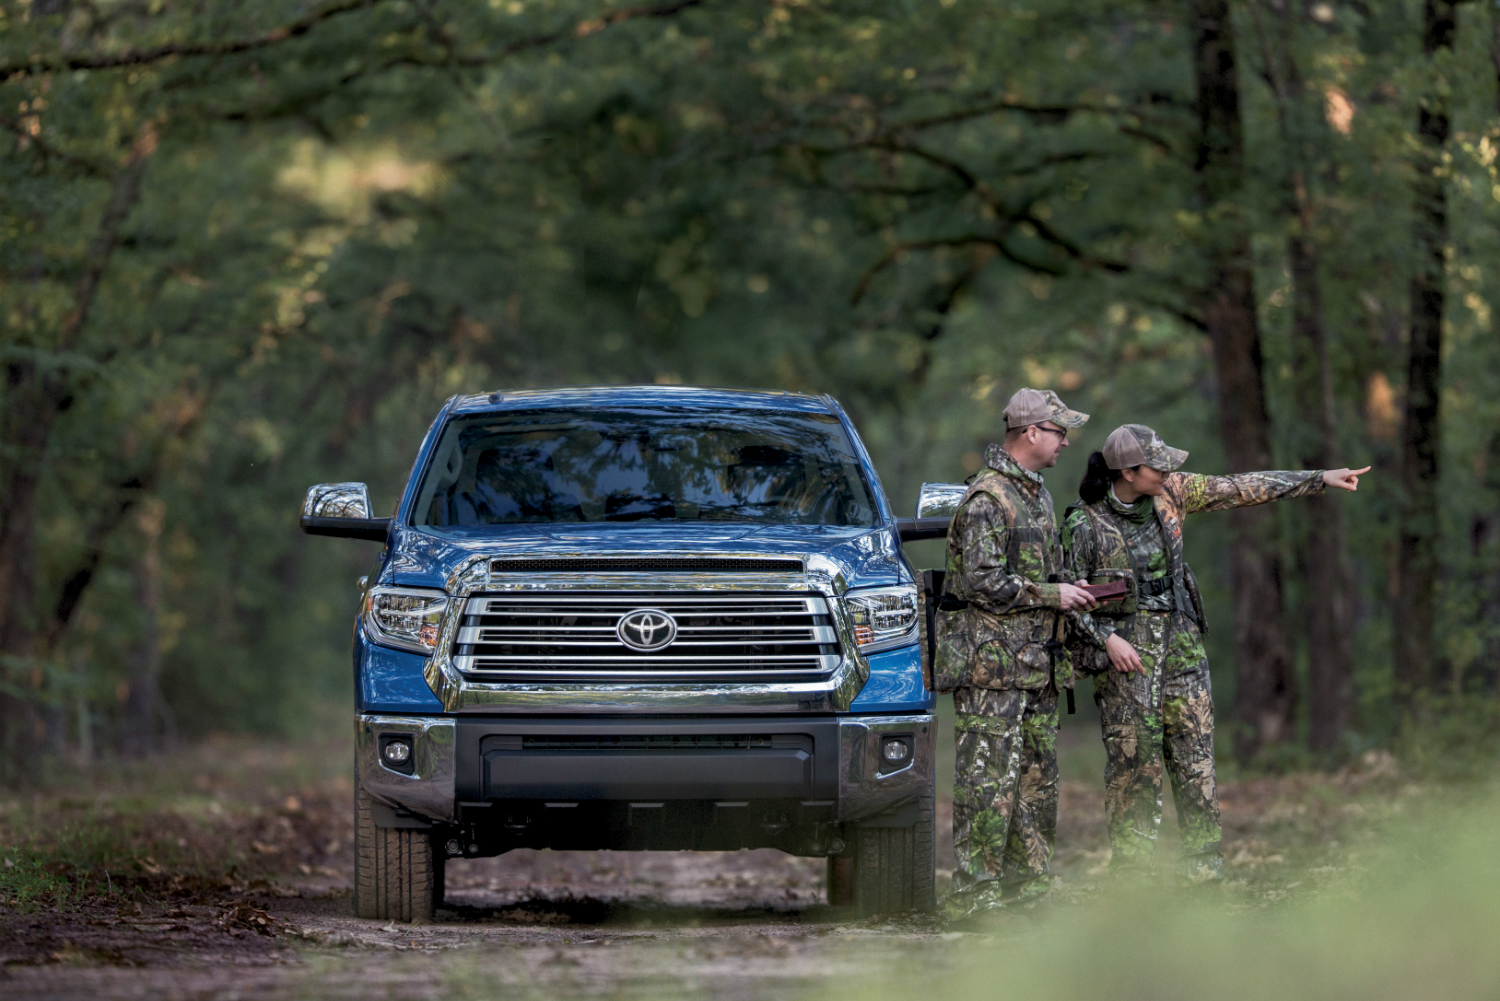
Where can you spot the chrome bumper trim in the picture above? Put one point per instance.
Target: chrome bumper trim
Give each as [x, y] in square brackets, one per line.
[428, 791]
[863, 791]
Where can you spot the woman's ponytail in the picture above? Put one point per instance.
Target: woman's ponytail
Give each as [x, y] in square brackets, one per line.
[1097, 479]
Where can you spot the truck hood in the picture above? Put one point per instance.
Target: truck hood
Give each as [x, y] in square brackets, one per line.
[425, 557]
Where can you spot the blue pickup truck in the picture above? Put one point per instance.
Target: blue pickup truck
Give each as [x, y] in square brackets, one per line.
[652, 617]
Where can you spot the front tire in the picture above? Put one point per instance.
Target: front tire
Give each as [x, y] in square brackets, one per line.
[894, 866]
[840, 881]
[396, 872]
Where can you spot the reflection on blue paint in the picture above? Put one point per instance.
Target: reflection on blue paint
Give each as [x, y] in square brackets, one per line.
[390, 681]
[895, 684]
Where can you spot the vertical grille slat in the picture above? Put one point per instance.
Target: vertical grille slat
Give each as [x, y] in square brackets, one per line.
[562, 637]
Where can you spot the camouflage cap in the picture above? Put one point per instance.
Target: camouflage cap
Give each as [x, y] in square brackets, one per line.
[1131, 445]
[1032, 406]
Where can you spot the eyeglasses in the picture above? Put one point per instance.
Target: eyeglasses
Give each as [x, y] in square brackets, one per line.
[1060, 432]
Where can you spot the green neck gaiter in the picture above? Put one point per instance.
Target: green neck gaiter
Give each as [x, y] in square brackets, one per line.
[1137, 513]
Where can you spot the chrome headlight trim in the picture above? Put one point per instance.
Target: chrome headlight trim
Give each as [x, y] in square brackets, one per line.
[905, 594]
[440, 606]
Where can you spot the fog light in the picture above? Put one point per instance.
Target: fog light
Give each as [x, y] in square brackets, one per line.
[895, 751]
[397, 752]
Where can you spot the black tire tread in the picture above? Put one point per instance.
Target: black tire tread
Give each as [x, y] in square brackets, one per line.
[893, 866]
[840, 881]
[395, 871]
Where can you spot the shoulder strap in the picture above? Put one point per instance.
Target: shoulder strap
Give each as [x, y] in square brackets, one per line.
[1064, 527]
[984, 482]
[1102, 529]
[988, 481]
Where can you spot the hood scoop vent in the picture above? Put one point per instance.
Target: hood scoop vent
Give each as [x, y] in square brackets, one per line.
[644, 564]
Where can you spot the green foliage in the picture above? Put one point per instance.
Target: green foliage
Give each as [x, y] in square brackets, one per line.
[1454, 739]
[1409, 916]
[87, 863]
[916, 207]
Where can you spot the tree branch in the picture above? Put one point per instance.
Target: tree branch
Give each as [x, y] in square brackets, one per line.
[891, 256]
[1182, 313]
[582, 30]
[1008, 215]
[122, 199]
[1045, 112]
[49, 151]
[1073, 250]
[141, 57]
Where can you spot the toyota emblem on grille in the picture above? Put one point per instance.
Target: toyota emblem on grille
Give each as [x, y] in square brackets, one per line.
[647, 629]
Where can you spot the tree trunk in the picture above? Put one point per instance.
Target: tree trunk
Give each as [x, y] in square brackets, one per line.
[34, 399]
[1330, 612]
[1327, 593]
[25, 434]
[1421, 434]
[143, 702]
[1495, 52]
[1265, 697]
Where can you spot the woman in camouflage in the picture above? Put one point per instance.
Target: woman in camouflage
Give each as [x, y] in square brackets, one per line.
[1146, 653]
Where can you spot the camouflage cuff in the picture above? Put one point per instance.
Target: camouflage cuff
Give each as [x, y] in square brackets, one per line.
[1096, 631]
[1045, 595]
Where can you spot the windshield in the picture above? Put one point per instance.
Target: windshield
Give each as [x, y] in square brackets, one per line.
[563, 466]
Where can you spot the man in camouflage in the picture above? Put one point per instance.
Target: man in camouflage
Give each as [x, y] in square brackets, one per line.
[1151, 679]
[998, 629]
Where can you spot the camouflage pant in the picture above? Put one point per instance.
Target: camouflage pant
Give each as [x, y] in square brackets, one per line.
[1162, 715]
[1004, 796]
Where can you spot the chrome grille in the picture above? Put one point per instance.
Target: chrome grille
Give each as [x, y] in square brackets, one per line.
[644, 564]
[732, 637]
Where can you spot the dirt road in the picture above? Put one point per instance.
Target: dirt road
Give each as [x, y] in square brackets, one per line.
[231, 880]
[545, 924]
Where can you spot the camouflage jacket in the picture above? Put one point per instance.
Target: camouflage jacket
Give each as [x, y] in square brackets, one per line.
[1103, 537]
[1001, 608]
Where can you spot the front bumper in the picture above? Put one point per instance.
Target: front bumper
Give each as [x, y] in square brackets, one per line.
[821, 760]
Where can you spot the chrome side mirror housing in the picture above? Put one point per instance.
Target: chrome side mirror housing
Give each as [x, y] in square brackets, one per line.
[342, 510]
[940, 500]
[337, 500]
[936, 505]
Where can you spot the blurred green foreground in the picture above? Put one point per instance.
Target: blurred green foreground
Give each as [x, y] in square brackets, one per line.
[1417, 918]
[1378, 880]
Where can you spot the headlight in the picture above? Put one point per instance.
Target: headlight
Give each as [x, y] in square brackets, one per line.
[883, 617]
[405, 617]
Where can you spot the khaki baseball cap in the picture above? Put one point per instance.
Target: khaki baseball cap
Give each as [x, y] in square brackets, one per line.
[1132, 445]
[1032, 406]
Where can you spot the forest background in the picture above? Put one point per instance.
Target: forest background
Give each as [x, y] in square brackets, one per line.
[247, 247]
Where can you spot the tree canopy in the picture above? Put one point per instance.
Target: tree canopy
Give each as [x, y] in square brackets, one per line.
[245, 248]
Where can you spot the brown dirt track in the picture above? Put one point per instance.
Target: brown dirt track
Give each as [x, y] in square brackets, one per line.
[230, 878]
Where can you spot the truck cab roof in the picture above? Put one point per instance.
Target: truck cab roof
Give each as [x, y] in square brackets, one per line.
[627, 397]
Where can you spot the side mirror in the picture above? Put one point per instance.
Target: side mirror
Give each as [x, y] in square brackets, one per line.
[342, 510]
[940, 500]
[936, 505]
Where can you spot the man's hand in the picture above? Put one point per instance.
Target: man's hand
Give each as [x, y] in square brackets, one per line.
[1344, 479]
[1122, 656]
[1074, 597]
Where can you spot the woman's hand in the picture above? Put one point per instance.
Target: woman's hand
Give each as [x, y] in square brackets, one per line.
[1074, 598]
[1344, 479]
[1122, 656]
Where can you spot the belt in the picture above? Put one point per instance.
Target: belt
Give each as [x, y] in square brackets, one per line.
[1155, 586]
